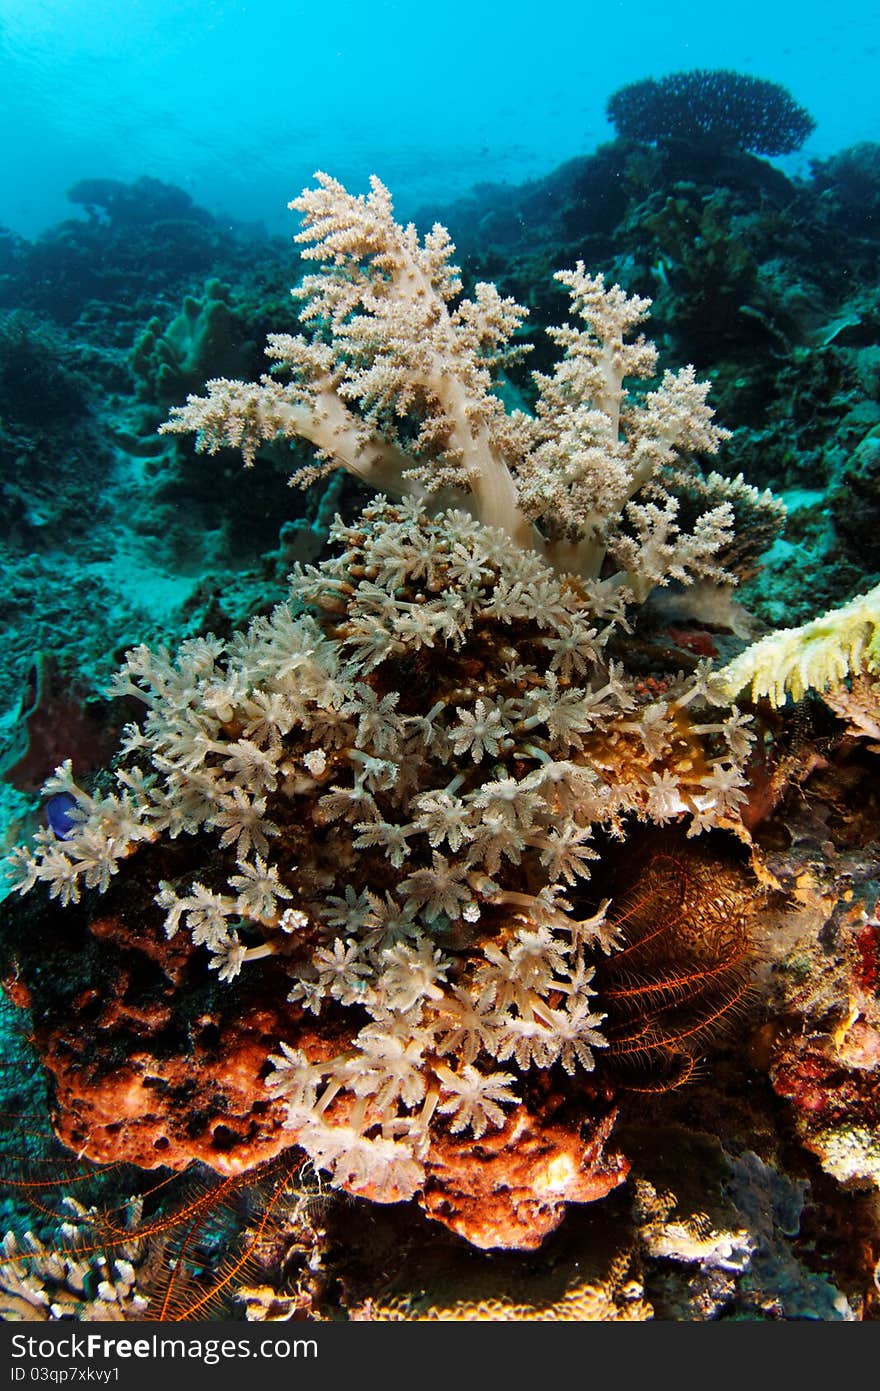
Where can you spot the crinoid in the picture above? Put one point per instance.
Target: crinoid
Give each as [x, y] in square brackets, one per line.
[683, 973]
[90, 1242]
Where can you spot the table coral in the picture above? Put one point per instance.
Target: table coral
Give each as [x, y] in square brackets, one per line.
[724, 109]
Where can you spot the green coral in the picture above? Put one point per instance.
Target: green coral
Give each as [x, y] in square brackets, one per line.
[207, 338]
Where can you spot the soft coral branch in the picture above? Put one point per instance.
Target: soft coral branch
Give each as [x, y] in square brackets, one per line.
[396, 384]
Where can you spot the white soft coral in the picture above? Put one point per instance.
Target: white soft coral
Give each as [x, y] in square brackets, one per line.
[396, 385]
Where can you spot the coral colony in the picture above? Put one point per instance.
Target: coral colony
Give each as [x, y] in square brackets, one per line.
[723, 110]
[397, 782]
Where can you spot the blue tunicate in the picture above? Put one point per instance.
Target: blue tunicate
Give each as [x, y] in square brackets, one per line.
[62, 815]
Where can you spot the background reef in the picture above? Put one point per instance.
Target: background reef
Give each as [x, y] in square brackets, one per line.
[113, 535]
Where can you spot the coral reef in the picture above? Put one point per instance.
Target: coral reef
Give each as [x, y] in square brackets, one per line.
[855, 500]
[71, 1278]
[829, 1072]
[716, 106]
[403, 785]
[344, 893]
[95, 1242]
[207, 336]
[737, 260]
[851, 179]
[773, 301]
[715, 1232]
[460, 951]
[611, 1295]
[54, 716]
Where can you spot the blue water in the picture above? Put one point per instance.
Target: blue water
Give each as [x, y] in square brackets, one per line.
[238, 101]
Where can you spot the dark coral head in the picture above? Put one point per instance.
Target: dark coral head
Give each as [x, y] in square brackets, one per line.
[718, 107]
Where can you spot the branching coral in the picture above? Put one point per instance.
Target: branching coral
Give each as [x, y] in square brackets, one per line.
[396, 779]
[405, 791]
[73, 1278]
[396, 385]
